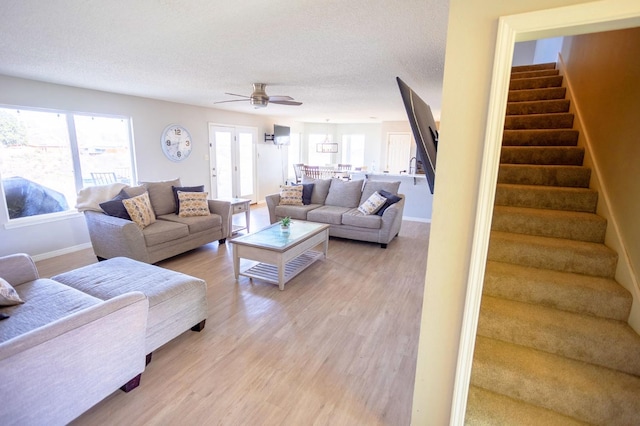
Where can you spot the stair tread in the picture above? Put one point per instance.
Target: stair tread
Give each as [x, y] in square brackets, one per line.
[601, 341]
[489, 408]
[556, 120]
[539, 137]
[544, 196]
[574, 388]
[519, 95]
[544, 106]
[551, 155]
[568, 291]
[530, 67]
[544, 175]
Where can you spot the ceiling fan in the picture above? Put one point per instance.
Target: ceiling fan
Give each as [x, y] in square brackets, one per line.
[260, 99]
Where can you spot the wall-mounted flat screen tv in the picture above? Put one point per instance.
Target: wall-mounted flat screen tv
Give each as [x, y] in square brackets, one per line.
[281, 135]
[424, 130]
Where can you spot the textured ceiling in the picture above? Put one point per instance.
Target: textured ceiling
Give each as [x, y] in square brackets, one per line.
[339, 57]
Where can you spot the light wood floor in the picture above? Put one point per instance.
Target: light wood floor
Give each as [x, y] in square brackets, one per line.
[336, 347]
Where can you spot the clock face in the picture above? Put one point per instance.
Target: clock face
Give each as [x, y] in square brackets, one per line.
[176, 142]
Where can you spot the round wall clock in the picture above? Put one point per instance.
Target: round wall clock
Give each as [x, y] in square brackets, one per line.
[176, 142]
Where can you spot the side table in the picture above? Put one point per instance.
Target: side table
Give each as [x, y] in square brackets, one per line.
[238, 205]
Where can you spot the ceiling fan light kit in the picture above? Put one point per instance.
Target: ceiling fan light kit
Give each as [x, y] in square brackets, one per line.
[260, 99]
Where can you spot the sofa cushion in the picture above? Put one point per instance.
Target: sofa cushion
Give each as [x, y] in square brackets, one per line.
[161, 195]
[372, 204]
[291, 195]
[372, 186]
[8, 295]
[45, 301]
[196, 223]
[115, 207]
[327, 214]
[295, 212]
[320, 189]
[344, 193]
[175, 189]
[134, 191]
[162, 231]
[193, 204]
[355, 218]
[139, 208]
[391, 199]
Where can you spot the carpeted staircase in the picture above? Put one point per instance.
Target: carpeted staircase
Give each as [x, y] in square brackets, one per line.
[553, 345]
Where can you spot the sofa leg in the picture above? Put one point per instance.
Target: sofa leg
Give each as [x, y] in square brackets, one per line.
[222, 241]
[384, 246]
[100, 259]
[199, 326]
[131, 384]
[147, 359]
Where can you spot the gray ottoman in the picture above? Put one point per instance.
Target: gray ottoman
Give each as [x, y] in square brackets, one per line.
[177, 301]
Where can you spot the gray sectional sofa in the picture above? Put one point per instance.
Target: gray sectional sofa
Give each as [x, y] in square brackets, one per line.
[63, 351]
[113, 236]
[335, 202]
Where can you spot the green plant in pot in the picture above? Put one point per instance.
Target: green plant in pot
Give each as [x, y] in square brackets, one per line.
[285, 222]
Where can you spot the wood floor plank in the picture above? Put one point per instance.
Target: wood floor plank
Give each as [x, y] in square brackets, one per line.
[337, 347]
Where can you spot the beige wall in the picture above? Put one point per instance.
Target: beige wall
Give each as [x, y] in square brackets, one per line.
[604, 69]
[471, 40]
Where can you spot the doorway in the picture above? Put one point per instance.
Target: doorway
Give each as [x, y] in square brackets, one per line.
[398, 152]
[232, 161]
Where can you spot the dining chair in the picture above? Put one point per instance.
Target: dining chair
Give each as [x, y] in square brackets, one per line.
[103, 178]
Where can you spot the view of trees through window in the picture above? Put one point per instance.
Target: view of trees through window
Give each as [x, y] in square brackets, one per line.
[46, 157]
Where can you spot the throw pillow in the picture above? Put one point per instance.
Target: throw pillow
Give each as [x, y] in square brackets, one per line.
[371, 186]
[291, 195]
[8, 295]
[372, 204]
[139, 208]
[307, 190]
[114, 207]
[320, 189]
[344, 193]
[391, 199]
[193, 204]
[199, 188]
[161, 195]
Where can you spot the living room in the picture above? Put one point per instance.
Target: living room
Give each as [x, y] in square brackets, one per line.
[450, 230]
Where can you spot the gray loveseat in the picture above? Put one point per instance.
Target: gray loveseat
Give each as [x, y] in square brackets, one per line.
[170, 235]
[63, 351]
[335, 202]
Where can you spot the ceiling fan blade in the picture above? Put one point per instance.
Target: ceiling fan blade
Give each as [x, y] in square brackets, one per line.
[280, 98]
[233, 94]
[294, 103]
[232, 100]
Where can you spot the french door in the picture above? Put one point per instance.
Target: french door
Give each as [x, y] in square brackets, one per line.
[232, 161]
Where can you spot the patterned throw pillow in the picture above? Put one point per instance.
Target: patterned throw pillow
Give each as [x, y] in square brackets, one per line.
[8, 295]
[193, 204]
[139, 208]
[291, 195]
[373, 204]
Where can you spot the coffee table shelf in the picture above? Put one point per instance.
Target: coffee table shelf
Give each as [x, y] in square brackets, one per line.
[269, 273]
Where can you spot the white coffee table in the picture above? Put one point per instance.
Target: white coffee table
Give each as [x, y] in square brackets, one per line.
[281, 255]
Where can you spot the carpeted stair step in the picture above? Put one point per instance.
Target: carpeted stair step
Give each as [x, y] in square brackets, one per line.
[577, 226]
[539, 121]
[534, 67]
[604, 342]
[535, 82]
[540, 137]
[557, 254]
[542, 155]
[584, 294]
[485, 408]
[537, 94]
[538, 107]
[546, 197]
[527, 174]
[575, 389]
[538, 73]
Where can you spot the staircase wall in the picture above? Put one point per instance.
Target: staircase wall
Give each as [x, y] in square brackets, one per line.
[601, 77]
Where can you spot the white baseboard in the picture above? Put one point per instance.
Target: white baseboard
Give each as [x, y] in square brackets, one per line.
[416, 219]
[60, 252]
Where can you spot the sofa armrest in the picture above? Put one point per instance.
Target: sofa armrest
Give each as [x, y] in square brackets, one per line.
[18, 268]
[56, 372]
[222, 208]
[392, 220]
[113, 237]
[272, 201]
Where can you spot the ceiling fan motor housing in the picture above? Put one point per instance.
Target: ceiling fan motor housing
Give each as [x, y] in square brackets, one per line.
[259, 97]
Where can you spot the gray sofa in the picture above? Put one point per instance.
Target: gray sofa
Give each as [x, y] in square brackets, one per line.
[335, 202]
[63, 351]
[168, 236]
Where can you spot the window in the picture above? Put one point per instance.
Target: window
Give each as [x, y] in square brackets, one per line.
[46, 157]
[353, 150]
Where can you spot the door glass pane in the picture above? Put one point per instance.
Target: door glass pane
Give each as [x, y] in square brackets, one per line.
[245, 148]
[35, 162]
[223, 164]
[103, 146]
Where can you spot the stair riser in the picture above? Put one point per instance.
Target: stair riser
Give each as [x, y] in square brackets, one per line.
[558, 290]
[544, 226]
[545, 137]
[545, 107]
[536, 83]
[530, 74]
[555, 258]
[537, 94]
[539, 121]
[577, 177]
[570, 156]
[534, 67]
[545, 198]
